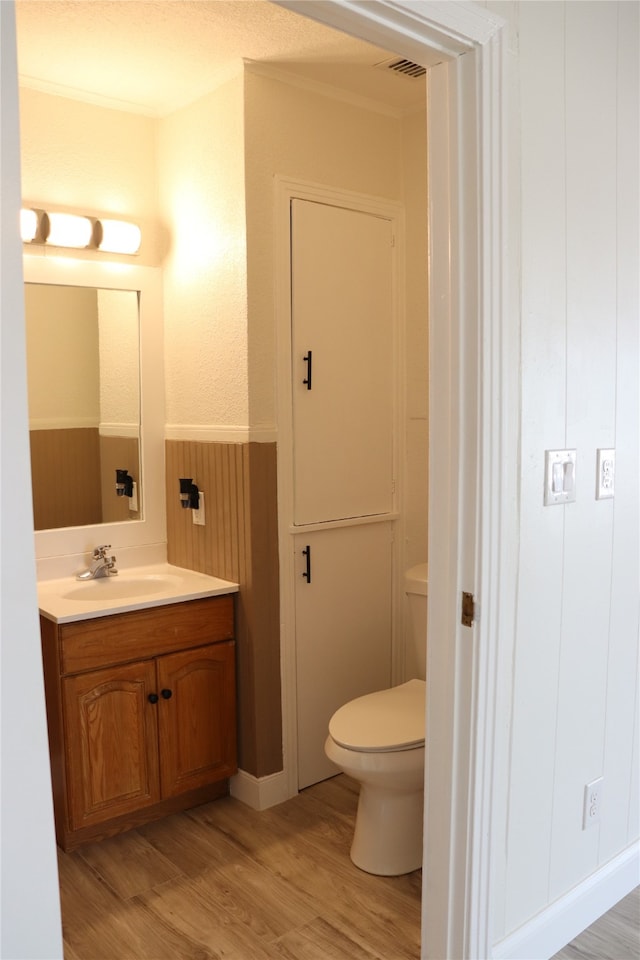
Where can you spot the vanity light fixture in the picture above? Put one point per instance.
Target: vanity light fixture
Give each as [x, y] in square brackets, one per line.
[79, 232]
[189, 494]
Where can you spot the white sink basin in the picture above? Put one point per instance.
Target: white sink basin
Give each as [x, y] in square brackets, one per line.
[135, 588]
[112, 588]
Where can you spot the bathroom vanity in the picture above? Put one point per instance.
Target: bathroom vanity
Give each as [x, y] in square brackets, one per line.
[141, 699]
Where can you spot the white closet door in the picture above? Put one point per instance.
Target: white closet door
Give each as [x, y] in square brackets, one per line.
[343, 630]
[342, 323]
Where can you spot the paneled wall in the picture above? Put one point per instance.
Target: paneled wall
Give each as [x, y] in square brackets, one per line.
[65, 477]
[575, 698]
[239, 542]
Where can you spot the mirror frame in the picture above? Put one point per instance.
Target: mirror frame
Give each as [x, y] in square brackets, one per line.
[151, 530]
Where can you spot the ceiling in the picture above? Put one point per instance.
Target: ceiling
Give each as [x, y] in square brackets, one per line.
[154, 56]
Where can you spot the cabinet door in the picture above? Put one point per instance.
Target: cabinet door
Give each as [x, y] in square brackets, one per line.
[196, 717]
[342, 318]
[343, 631]
[111, 742]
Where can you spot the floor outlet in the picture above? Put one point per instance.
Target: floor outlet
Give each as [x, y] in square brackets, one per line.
[198, 515]
[592, 803]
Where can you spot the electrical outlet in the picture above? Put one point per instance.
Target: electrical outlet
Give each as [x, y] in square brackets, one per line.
[133, 499]
[605, 474]
[198, 515]
[592, 803]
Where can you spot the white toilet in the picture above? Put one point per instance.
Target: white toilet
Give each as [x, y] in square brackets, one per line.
[378, 740]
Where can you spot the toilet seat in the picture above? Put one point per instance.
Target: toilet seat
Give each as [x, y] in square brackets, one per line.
[382, 722]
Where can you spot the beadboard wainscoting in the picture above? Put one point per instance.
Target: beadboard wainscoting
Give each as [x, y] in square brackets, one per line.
[238, 542]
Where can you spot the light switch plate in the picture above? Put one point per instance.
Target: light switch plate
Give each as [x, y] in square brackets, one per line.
[605, 474]
[559, 476]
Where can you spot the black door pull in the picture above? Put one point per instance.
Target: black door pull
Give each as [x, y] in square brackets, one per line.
[307, 573]
[308, 360]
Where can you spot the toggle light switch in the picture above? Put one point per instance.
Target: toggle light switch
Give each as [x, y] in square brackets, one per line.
[559, 476]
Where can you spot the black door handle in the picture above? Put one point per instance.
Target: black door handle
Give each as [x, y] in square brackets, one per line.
[308, 360]
[153, 698]
[307, 572]
[166, 694]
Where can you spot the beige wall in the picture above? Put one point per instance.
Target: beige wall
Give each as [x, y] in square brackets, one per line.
[201, 165]
[416, 382]
[119, 335]
[62, 355]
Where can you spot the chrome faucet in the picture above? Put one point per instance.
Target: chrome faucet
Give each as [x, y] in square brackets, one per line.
[101, 565]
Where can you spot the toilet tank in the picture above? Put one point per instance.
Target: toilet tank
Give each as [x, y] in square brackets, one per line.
[415, 587]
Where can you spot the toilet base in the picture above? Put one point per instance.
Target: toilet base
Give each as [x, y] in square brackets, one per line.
[388, 834]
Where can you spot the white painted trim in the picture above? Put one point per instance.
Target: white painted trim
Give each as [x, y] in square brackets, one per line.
[413, 28]
[220, 433]
[131, 430]
[63, 423]
[557, 925]
[260, 793]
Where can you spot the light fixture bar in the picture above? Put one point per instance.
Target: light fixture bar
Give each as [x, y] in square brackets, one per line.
[79, 232]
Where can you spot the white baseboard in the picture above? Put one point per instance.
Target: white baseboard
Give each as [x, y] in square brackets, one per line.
[563, 920]
[260, 793]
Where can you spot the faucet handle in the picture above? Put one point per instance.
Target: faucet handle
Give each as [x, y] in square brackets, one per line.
[100, 552]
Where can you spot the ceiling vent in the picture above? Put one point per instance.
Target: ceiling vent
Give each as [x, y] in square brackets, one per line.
[406, 67]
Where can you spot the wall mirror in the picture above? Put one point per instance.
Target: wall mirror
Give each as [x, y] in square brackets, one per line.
[96, 403]
[83, 375]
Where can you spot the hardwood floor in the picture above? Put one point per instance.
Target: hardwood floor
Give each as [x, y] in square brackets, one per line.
[225, 881]
[615, 936]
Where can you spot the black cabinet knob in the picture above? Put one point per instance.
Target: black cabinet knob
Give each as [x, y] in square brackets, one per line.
[166, 694]
[153, 698]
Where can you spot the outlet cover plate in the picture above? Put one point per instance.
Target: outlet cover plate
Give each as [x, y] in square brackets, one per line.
[605, 473]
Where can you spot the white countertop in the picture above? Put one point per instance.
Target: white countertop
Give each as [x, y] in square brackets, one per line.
[137, 588]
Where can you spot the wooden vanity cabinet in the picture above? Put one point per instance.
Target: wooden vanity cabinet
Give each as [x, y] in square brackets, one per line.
[141, 713]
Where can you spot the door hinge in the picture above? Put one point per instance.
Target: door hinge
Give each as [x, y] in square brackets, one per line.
[468, 609]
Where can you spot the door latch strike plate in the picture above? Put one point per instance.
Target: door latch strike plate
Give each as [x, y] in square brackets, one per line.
[468, 609]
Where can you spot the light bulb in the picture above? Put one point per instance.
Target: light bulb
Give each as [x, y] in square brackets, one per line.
[28, 225]
[119, 237]
[69, 230]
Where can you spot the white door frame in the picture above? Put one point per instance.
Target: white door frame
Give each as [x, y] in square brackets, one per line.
[473, 445]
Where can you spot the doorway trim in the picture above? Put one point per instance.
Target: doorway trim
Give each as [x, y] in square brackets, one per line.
[473, 440]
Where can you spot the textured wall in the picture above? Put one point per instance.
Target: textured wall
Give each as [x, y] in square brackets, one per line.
[119, 335]
[201, 164]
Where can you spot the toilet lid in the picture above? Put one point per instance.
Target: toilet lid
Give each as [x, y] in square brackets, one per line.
[391, 719]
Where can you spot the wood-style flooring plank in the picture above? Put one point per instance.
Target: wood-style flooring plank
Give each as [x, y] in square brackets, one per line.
[224, 882]
[615, 936]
